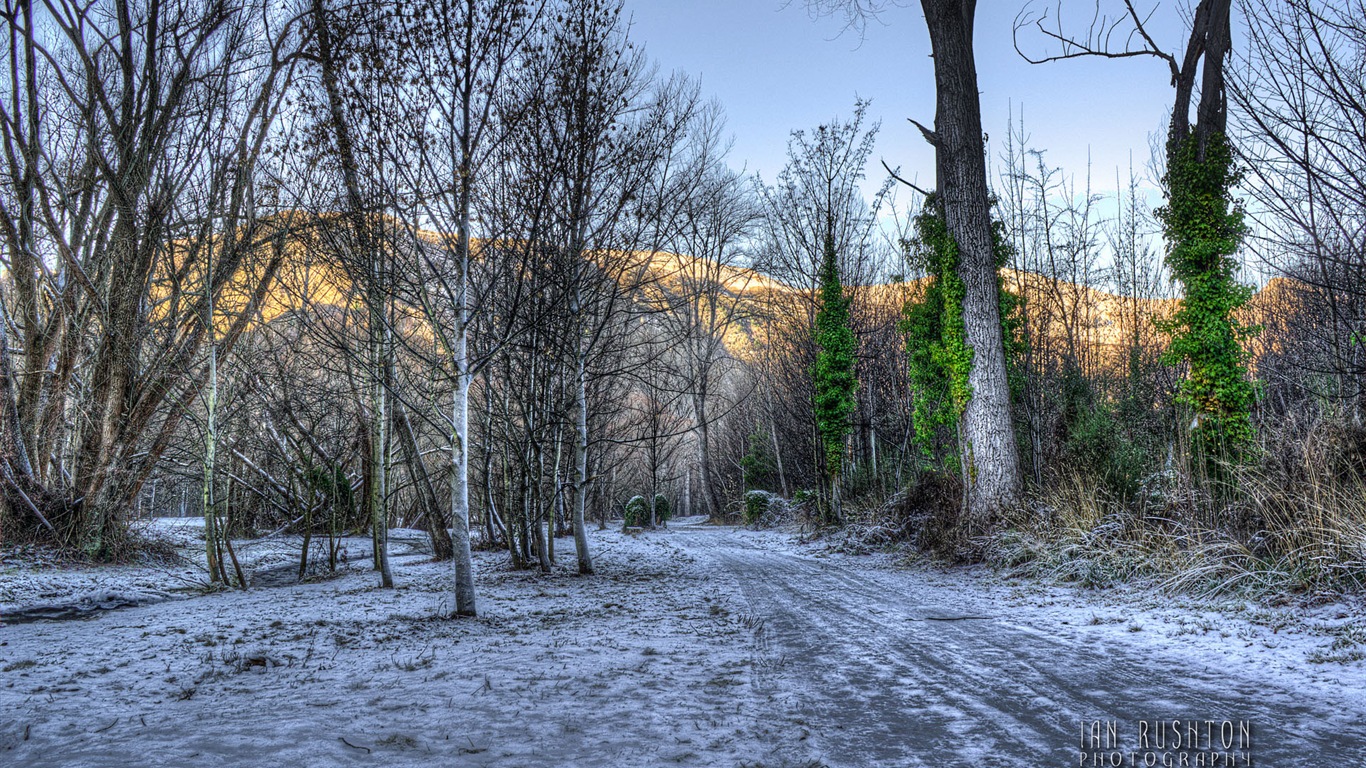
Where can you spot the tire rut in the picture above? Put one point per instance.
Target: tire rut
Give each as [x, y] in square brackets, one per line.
[880, 682]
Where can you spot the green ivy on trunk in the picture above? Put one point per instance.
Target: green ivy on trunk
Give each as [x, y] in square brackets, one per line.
[939, 357]
[835, 382]
[1204, 227]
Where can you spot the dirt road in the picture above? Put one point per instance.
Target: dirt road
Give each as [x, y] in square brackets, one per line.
[888, 668]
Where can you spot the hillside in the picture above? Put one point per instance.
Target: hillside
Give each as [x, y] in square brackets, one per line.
[1058, 312]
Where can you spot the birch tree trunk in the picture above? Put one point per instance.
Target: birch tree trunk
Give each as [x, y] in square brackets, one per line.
[460, 407]
[212, 547]
[379, 455]
[581, 463]
[460, 490]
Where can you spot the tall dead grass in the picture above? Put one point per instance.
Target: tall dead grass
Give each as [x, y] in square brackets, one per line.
[1290, 522]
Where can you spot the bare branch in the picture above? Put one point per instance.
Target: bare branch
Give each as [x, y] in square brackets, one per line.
[894, 175]
[930, 136]
[1099, 39]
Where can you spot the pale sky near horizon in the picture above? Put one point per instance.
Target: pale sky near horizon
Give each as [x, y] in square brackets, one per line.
[775, 68]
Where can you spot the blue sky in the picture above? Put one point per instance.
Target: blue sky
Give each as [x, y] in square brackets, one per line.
[775, 68]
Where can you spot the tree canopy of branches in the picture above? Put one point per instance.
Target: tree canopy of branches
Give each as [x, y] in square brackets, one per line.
[133, 141]
[1300, 105]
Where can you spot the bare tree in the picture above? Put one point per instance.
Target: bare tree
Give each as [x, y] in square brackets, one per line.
[607, 139]
[365, 261]
[460, 53]
[1299, 104]
[135, 133]
[701, 298]
[1209, 44]
[816, 196]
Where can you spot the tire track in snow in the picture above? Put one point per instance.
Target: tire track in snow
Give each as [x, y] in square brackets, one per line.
[880, 685]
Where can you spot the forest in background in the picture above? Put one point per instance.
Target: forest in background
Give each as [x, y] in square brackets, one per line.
[478, 267]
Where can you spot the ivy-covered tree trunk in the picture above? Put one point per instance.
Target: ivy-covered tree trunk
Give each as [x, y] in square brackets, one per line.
[939, 360]
[990, 455]
[834, 376]
[1203, 227]
[1203, 231]
[937, 355]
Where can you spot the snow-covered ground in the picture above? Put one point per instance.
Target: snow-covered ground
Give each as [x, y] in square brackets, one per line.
[644, 663]
[35, 582]
[694, 646]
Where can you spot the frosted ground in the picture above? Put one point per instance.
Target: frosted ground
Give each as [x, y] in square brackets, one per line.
[696, 646]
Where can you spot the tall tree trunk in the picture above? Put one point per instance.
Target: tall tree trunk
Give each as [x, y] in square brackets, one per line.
[552, 518]
[510, 517]
[21, 492]
[581, 464]
[991, 459]
[460, 490]
[709, 498]
[360, 231]
[872, 430]
[538, 534]
[37, 341]
[212, 536]
[493, 522]
[687, 492]
[379, 461]
[113, 374]
[539, 518]
[778, 458]
[464, 370]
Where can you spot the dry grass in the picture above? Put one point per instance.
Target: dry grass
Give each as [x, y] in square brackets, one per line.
[1293, 523]
[925, 515]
